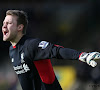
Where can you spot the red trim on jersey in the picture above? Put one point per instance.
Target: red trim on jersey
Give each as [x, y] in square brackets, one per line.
[80, 54]
[14, 46]
[58, 46]
[45, 70]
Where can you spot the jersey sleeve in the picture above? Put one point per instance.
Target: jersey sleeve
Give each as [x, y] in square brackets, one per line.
[45, 50]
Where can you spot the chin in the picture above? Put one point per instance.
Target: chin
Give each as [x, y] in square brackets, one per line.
[5, 39]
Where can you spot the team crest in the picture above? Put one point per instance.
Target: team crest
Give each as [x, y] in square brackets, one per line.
[22, 58]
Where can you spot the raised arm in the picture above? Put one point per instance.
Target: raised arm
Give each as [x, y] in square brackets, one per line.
[46, 50]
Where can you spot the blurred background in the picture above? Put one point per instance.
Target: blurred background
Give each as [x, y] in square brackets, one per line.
[71, 23]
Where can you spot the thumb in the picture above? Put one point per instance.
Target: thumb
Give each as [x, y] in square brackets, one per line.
[93, 63]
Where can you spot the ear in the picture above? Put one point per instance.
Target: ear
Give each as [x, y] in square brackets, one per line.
[20, 27]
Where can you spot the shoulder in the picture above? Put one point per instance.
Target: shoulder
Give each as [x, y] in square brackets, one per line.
[32, 41]
[36, 43]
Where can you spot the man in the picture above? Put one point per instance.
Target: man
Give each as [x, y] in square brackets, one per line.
[31, 57]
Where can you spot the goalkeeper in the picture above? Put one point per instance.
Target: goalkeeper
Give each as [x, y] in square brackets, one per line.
[31, 57]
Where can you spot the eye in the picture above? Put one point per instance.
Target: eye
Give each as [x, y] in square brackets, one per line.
[9, 22]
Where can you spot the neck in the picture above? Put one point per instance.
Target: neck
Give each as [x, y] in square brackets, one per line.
[14, 42]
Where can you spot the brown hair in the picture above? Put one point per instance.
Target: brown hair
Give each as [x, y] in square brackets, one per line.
[22, 18]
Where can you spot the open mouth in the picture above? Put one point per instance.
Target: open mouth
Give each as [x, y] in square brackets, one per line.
[6, 33]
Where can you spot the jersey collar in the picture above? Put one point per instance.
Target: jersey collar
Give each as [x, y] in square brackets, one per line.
[21, 41]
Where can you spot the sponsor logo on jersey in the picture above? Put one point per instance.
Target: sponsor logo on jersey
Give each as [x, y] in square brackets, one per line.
[43, 44]
[23, 67]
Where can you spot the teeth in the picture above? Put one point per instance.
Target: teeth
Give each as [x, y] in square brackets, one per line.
[5, 33]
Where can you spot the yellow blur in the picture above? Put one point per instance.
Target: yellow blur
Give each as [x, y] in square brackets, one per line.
[66, 76]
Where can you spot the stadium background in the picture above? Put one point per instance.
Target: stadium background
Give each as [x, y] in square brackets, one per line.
[71, 23]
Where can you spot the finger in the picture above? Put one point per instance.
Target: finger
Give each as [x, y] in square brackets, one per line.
[97, 56]
[93, 63]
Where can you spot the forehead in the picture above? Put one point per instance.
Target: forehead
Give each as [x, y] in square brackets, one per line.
[10, 18]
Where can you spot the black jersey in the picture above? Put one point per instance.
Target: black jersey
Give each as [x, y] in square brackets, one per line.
[31, 62]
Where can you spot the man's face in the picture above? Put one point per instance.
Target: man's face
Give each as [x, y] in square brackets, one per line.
[9, 28]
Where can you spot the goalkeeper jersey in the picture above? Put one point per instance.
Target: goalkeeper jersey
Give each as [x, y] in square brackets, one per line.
[31, 61]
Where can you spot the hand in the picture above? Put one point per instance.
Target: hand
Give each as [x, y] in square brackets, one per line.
[89, 58]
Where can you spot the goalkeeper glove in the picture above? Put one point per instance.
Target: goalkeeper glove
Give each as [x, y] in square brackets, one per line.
[89, 58]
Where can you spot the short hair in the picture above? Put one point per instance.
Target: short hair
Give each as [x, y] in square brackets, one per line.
[22, 18]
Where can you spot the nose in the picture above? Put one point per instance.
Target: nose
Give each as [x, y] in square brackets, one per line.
[4, 25]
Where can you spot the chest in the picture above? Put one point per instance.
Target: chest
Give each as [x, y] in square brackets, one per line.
[19, 60]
